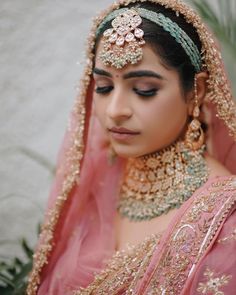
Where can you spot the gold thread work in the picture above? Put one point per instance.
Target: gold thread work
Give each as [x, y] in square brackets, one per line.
[159, 182]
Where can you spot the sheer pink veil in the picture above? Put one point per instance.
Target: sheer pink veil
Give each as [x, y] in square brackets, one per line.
[78, 232]
[84, 234]
[223, 145]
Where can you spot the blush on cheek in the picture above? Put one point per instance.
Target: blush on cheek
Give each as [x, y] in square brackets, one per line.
[165, 121]
[99, 109]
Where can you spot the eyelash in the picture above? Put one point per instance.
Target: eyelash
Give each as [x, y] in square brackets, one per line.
[146, 93]
[103, 90]
[143, 93]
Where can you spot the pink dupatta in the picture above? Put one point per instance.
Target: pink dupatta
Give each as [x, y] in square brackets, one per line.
[192, 246]
[78, 232]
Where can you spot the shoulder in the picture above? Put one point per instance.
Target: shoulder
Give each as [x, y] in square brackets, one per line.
[216, 168]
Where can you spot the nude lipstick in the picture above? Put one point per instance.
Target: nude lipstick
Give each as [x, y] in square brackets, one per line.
[121, 133]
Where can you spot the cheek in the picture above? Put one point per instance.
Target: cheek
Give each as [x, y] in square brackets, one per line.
[99, 109]
[166, 114]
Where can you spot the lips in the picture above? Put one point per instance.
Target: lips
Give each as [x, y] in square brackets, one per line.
[122, 134]
[122, 130]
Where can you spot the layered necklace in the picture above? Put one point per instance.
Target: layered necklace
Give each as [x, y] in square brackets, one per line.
[156, 183]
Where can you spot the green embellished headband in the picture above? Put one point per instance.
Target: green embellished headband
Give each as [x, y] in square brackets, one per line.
[122, 43]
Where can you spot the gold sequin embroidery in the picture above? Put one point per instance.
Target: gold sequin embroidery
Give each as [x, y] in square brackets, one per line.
[191, 237]
[214, 283]
[189, 240]
[123, 271]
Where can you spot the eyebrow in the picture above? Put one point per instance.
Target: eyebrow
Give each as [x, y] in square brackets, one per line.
[101, 72]
[133, 74]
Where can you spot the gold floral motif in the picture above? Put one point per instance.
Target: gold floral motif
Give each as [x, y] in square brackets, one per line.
[231, 237]
[124, 269]
[202, 205]
[214, 283]
[191, 237]
[184, 249]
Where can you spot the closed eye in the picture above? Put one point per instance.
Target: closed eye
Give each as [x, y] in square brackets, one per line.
[103, 90]
[146, 93]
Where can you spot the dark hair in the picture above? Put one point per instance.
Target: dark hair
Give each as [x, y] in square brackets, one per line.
[171, 52]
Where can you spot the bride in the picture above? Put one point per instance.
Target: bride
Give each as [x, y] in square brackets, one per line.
[144, 197]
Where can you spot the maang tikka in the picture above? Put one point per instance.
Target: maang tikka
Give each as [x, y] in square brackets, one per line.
[122, 44]
[194, 137]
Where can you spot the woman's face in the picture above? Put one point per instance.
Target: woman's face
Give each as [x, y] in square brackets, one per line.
[141, 107]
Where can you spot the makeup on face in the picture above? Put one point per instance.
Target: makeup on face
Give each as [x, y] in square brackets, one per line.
[121, 133]
[143, 81]
[140, 107]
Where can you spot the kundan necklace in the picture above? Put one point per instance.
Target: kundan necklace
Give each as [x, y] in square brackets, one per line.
[155, 183]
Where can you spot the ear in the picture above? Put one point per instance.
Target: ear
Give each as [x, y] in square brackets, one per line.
[201, 83]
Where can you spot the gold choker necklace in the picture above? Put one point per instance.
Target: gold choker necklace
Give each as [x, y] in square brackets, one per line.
[159, 182]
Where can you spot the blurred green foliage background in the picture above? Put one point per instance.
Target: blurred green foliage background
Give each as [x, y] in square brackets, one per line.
[220, 15]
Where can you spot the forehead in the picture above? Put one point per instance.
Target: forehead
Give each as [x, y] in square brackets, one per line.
[150, 61]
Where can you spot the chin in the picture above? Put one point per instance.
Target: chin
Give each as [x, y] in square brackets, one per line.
[128, 152]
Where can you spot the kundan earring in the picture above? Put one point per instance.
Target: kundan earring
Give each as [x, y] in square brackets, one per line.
[194, 137]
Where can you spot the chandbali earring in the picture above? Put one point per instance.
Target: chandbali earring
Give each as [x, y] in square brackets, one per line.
[194, 137]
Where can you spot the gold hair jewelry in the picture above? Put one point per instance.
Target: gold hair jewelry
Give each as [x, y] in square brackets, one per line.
[156, 183]
[122, 43]
[126, 20]
[194, 137]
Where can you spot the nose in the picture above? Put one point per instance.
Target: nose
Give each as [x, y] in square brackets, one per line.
[119, 107]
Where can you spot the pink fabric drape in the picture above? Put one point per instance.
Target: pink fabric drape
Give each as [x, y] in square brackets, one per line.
[84, 235]
[224, 147]
[216, 274]
[218, 238]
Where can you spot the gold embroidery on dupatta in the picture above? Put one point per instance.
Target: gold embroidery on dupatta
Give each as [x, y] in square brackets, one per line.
[123, 270]
[213, 284]
[231, 237]
[190, 238]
